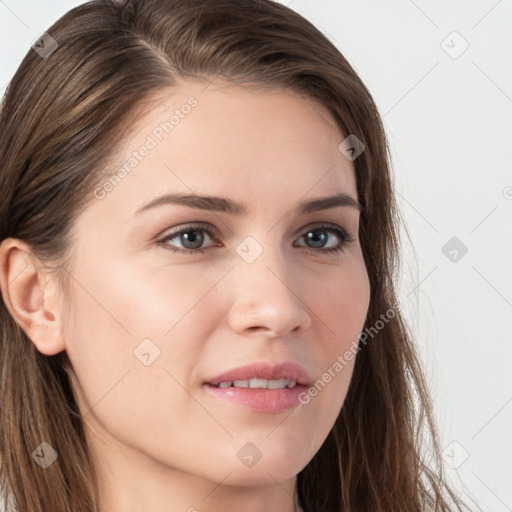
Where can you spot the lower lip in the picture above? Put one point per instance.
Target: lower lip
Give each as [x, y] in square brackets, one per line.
[260, 400]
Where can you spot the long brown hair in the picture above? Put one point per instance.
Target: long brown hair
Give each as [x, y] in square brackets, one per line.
[63, 116]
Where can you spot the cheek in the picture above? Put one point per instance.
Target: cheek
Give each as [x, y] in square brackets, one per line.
[134, 340]
[339, 308]
[339, 301]
[127, 320]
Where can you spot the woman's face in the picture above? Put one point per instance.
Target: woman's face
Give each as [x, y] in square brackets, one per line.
[149, 327]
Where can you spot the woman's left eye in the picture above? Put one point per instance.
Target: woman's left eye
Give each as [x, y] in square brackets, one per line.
[192, 238]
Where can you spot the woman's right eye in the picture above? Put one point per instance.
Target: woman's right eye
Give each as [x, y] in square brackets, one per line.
[190, 237]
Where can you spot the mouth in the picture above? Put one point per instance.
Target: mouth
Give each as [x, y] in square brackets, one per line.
[261, 387]
[257, 383]
[262, 376]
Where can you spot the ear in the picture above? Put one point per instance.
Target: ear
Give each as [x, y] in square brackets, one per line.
[30, 293]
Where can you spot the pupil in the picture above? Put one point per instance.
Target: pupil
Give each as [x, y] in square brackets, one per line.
[194, 239]
[313, 237]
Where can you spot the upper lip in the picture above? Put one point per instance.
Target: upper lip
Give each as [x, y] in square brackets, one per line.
[286, 370]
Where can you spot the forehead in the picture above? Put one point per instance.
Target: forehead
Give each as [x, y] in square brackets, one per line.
[225, 139]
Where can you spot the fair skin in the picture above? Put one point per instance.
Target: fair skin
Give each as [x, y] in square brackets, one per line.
[160, 441]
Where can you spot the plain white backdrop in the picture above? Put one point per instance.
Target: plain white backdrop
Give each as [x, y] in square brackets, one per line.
[441, 75]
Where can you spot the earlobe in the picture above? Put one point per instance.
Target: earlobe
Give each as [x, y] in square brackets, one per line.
[30, 294]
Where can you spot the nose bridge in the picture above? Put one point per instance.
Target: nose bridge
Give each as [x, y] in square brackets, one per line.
[263, 294]
[263, 264]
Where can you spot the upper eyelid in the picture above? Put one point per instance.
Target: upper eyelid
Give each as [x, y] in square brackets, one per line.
[189, 227]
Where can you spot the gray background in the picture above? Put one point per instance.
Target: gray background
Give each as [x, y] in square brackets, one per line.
[447, 111]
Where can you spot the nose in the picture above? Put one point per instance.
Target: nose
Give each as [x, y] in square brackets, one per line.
[265, 302]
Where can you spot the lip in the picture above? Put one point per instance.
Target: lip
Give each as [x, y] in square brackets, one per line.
[261, 400]
[287, 370]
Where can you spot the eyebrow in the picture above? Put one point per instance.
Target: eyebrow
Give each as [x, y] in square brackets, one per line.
[221, 204]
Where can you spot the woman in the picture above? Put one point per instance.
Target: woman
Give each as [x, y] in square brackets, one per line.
[198, 253]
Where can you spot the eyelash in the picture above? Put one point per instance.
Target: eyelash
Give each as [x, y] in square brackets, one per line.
[344, 235]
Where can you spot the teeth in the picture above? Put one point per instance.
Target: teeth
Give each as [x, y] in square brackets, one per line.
[276, 384]
[259, 383]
